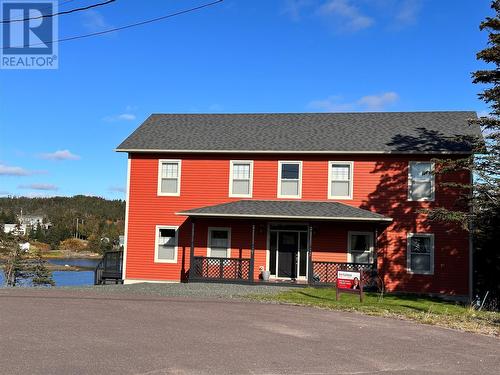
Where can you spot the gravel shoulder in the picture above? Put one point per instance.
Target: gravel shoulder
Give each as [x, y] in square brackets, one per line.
[202, 290]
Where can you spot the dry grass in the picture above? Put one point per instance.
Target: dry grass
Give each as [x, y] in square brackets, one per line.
[421, 309]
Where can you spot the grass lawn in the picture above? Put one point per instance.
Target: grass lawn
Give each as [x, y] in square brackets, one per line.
[422, 309]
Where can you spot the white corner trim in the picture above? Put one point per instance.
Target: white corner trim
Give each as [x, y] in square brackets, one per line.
[351, 179]
[231, 165]
[209, 231]
[280, 163]
[176, 248]
[408, 253]
[125, 233]
[179, 163]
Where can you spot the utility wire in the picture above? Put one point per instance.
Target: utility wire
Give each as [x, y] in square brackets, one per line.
[122, 27]
[59, 4]
[60, 13]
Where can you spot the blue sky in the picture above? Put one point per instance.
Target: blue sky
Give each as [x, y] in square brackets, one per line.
[58, 128]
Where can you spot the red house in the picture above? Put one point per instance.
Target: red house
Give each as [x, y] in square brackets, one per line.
[225, 197]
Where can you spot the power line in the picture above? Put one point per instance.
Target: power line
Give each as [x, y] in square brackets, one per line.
[122, 27]
[59, 4]
[61, 13]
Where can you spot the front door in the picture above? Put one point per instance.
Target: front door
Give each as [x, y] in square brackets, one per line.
[288, 250]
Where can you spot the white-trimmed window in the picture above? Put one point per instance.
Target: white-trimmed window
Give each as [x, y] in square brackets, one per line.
[166, 244]
[420, 253]
[241, 178]
[169, 177]
[340, 176]
[360, 245]
[219, 243]
[420, 181]
[289, 179]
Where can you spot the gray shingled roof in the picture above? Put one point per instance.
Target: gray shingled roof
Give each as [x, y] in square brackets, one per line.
[391, 132]
[286, 210]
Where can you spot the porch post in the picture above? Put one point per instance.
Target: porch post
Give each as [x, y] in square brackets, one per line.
[252, 255]
[310, 276]
[191, 252]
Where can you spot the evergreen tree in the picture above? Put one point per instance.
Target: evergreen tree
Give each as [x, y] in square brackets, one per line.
[22, 267]
[480, 211]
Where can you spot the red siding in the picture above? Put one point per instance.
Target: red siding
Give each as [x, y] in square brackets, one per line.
[380, 185]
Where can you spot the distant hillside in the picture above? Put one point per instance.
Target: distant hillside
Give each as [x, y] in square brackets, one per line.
[98, 218]
[77, 206]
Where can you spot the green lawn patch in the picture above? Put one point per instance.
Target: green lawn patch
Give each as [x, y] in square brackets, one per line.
[421, 309]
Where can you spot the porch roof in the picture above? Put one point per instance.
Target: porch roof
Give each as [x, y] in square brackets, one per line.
[284, 209]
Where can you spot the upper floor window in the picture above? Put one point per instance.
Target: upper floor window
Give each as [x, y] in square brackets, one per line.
[289, 179]
[340, 179]
[240, 178]
[166, 244]
[169, 177]
[420, 253]
[421, 181]
[219, 242]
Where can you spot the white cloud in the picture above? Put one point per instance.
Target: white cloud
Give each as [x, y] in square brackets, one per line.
[368, 102]
[407, 12]
[117, 189]
[94, 21]
[45, 187]
[355, 15]
[8, 170]
[378, 102]
[127, 115]
[60, 155]
[295, 8]
[348, 17]
[331, 104]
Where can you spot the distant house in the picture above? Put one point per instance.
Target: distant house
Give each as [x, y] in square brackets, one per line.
[33, 221]
[15, 229]
[219, 197]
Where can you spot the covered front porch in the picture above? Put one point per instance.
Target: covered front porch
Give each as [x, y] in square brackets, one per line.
[296, 242]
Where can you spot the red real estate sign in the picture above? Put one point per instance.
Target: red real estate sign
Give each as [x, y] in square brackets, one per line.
[350, 282]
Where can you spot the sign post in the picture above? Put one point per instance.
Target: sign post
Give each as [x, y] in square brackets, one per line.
[350, 282]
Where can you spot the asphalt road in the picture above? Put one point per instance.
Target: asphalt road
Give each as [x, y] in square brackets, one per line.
[69, 332]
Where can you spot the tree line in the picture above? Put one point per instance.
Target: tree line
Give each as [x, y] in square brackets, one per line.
[100, 221]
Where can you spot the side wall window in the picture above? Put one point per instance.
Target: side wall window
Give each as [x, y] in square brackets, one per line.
[340, 179]
[420, 253]
[420, 181]
[166, 244]
[169, 177]
[241, 178]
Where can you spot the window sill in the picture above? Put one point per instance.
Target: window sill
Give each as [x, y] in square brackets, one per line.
[430, 273]
[166, 261]
[168, 195]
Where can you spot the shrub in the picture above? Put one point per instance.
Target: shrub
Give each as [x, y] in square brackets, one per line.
[73, 244]
[40, 246]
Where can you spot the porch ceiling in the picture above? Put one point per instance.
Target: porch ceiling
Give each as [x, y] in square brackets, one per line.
[284, 209]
